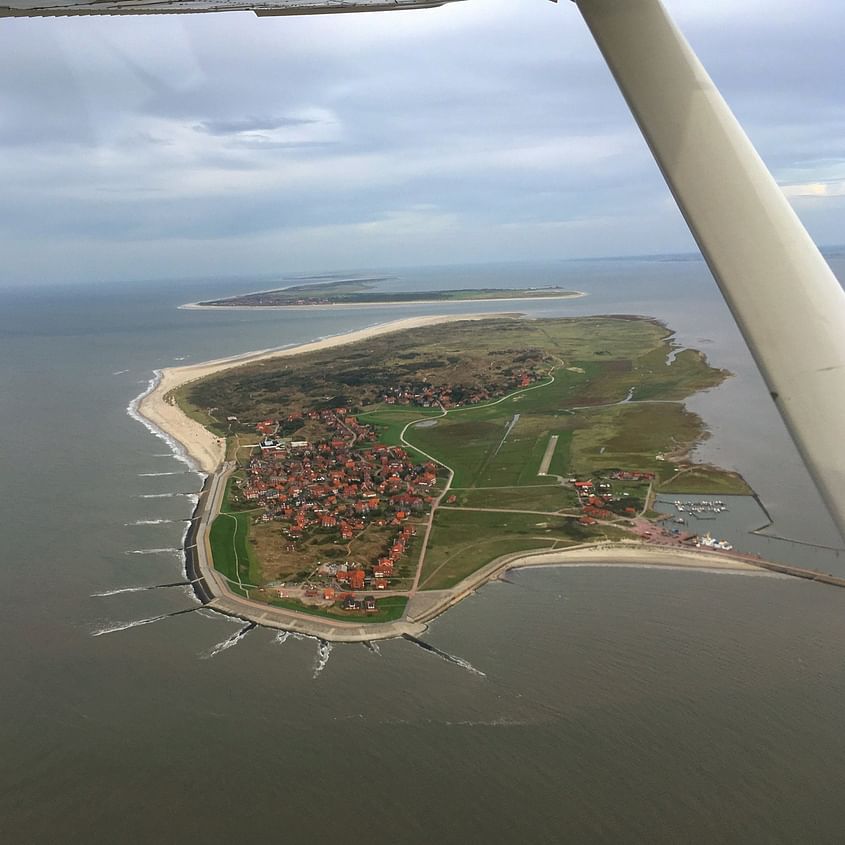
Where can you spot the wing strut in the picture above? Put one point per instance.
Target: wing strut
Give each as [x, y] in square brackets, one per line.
[787, 302]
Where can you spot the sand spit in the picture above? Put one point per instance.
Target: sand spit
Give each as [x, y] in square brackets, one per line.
[575, 294]
[208, 451]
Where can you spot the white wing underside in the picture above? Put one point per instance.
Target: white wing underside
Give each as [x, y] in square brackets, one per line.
[60, 8]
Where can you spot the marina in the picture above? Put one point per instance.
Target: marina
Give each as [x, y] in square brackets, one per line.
[702, 509]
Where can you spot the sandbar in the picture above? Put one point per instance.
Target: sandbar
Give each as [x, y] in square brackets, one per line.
[575, 294]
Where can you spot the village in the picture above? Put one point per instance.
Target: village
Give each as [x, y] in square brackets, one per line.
[351, 485]
[341, 481]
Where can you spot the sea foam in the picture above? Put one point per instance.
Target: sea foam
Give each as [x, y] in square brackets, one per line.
[176, 448]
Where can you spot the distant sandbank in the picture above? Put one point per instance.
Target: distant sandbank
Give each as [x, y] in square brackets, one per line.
[575, 294]
[205, 449]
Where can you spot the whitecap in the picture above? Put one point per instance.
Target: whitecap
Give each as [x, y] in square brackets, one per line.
[124, 626]
[324, 650]
[230, 641]
[120, 590]
[151, 522]
[176, 448]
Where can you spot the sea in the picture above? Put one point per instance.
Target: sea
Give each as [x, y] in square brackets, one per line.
[584, 705]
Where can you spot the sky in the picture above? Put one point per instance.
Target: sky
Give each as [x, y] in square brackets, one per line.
[488, 130]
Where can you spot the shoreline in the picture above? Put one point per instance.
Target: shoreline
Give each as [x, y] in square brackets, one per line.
[423, 608]
[196, 306]
[205, 454]
[195, 444]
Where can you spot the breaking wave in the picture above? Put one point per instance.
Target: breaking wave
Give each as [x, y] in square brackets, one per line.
[142, 589]
[444, 655]
[170, 551]
[121, 590]
[153, 521]
[324, 650]
[175, 447]
[125, 626]
[230, 641]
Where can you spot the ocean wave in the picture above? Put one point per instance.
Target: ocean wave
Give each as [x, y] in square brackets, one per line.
[324, 650]
[119, 372]
[175, 447]
[120, 590]
[168, 551]
[125, 626]
[152, 522]
[159, 474]
[230, 641]
[215, 615]
[191, 496]
[191, 593]
[444, 655]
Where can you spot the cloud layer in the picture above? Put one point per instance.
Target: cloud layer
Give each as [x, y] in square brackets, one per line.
[487, 130]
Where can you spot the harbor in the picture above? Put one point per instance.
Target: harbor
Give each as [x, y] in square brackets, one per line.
[743, 523]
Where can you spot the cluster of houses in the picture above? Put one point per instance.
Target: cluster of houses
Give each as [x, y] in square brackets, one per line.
[339, 484]
[631, 475]
[373, 575]
[456, 395]
[594, 496]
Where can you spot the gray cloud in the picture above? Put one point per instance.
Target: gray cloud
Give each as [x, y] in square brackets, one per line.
[236, 126]
[485, 131]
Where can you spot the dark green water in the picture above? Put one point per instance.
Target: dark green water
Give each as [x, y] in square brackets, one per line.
[615, 705]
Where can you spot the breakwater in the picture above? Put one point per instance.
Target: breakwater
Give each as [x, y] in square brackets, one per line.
[192, 569]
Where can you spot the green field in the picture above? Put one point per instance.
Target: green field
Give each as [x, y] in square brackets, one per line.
[230, 550]
[484, 450]
[707, 480]
[389, 421]
[547, 497]
[464, 541]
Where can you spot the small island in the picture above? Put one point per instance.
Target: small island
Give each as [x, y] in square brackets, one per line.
[361, 292]
[361, 486]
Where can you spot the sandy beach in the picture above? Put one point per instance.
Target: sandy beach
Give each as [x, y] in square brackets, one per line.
[200, 445]
[634, 554]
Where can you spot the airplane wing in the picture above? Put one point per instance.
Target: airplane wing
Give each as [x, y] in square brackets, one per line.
[61, 8]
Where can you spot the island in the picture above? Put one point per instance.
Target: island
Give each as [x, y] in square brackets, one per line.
[360, 291]
[359, 486]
